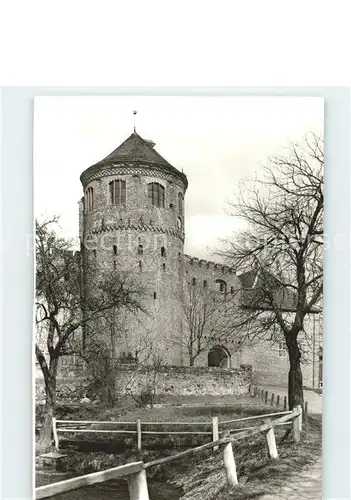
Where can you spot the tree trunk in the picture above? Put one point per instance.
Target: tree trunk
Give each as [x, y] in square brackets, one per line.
[191, 361]
[50, 393]
[295, 386]
[112, 376]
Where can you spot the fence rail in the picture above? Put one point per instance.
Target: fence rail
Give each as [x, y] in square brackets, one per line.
[136, 471]
[256, 417]
[84, 427]
[89, 479]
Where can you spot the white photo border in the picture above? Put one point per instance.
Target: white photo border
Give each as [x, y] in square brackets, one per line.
[17, 291]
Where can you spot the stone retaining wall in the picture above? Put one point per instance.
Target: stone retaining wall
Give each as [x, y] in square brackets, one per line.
[168, 380]
[184, 381]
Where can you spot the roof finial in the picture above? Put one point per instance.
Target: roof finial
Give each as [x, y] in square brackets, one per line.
[134, 113]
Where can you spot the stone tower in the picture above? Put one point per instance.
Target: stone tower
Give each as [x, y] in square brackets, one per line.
[132, 219]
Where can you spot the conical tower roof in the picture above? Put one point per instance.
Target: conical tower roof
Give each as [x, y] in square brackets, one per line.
[135, 149]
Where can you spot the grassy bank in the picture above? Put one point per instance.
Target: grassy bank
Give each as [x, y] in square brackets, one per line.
[204, 478]
[201, 477]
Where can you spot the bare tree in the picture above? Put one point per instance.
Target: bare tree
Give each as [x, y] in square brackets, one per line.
[63, 311]
[282, 247]
[206, 313]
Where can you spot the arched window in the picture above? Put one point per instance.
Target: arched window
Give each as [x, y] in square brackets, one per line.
[155, 295]
[205, 284]
[156, 194]
[89, 198]
[94, 253]
[164, 267]
[193, 281]
[140, 250]
[163, 252]
[180, 203]
[221, 286]
[232, 290]
[115, 249]
[117, 192]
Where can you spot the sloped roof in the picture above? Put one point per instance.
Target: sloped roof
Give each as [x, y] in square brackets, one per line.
[254, 284]
[135, 148]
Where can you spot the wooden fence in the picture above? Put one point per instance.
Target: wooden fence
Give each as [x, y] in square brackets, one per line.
[136, 471]
[273, 399]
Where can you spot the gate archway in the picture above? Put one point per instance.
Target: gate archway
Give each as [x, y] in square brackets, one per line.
[219, 356]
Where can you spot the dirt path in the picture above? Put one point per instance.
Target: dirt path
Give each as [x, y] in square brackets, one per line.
[307, 485]
[315, 401]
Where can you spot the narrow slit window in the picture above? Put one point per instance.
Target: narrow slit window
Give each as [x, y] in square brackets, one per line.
[164, 267]
[94, 253]
[205, 284]
[180, 203]
[163, 252]
[115, 249]
[140, 250]
[155, 295]
[140, 266]
[194, 281]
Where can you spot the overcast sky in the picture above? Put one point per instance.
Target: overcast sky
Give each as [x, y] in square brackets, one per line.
[216, 141]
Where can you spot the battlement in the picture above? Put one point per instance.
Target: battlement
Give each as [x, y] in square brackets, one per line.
[209, 264]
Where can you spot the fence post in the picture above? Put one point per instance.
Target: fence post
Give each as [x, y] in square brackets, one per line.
[138, 423]
[299, 418]
[271, 443]
[306, 407]
[266, 397]
[215, 434]
[285, 402]
[54, 431]
[137, 485]
[262, 394]
[272, 399]
[296, 427]
[229, 462]
[278, 400]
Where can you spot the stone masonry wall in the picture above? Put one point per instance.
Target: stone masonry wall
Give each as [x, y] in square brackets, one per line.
[185, 381]
[169, 380]
[112, 238]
